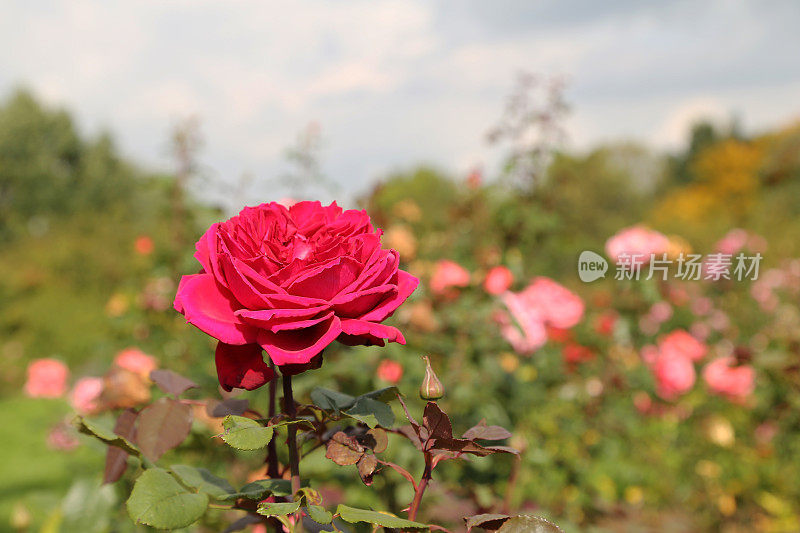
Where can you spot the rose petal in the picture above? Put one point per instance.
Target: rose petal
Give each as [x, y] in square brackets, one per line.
[357, 304]
[242, 366]
[205, 306]
[328, 280]
[299, 346]
[282, 319]
[406, 284]
[369, 332]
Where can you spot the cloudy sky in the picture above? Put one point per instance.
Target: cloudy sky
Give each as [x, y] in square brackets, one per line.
[394, 82]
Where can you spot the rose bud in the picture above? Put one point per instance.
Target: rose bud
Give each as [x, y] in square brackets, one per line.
[431, 389]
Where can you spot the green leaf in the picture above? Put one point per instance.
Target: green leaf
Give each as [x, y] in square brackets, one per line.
[353, 515]
[490, 522]
[259, 489]
[245, 434]
[318, 514]
[204, 481]
[384, 395]
[158, 500]
[371, 412]
[278, 508]
[93, 429]
[331, 400]
[529, 524]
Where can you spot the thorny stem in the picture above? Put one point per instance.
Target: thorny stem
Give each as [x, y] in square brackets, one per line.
[294, 459]
[421, 486]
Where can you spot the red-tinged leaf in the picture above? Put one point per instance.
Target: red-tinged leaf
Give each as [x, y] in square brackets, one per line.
[171, 383]
[366, 468]
[117, 458]
[484, 432]
[409, 433]
[231, 406]
[344, 450]
[437, 422]
[489, 522]
[377, 439]
[162, 426]
[502, 449]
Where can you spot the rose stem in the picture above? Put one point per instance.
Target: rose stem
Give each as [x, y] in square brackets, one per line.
[272, 452]
[294, 460]
[421, 486]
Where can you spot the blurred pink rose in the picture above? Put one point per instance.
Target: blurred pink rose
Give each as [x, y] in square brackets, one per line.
[682, 343]
[498, 280]
[558, 306]
[649, 354]
[448, 274]
[638, 241]
[531, 333]
[85, 395]
[674, 374]
[732, 242]
[660, 312]
[62, 437]
[136, 361]
[390, 371]
[47, 378]
[605, 323]
[734, 382]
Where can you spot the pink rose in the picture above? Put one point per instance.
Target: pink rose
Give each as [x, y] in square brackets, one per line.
[47, 378]
[136, 361]
[732, 242]
[290, 281]
[85, 395]
[498, 280]
[558, 306]
[638, 242]
[674, 374]
[390, 371]
[680, 342]
[544, 303]
[734, 382]
[448, 274]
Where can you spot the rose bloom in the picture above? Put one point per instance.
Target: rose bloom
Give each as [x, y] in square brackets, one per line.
[576, 353]
[390, 371]
[639, 242]
[143, 245]
[558, 306]
[681, 342]
[732, 242]
[136, 361]
[85, 395]
[47, 378]
[543, 304]
[674, 374]
[498, 280]
[605, 323]
[448, 274]
[290, 282]
[734, 382]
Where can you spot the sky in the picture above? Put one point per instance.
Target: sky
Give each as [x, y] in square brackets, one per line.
[394, 83]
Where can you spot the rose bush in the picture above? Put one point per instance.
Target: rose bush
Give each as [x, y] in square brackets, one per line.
[290, 281]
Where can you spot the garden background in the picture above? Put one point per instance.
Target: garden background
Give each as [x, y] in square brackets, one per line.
[93, 243]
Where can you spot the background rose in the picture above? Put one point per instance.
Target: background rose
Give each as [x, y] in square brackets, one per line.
[47, 378]
[725, 378]
[498, 280]
[291, 281]
[682, 343]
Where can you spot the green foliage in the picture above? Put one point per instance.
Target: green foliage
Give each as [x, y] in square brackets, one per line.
[158, 500]
[353, 515]
[245, 434]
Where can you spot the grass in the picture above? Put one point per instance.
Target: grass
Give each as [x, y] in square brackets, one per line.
[32, 475]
